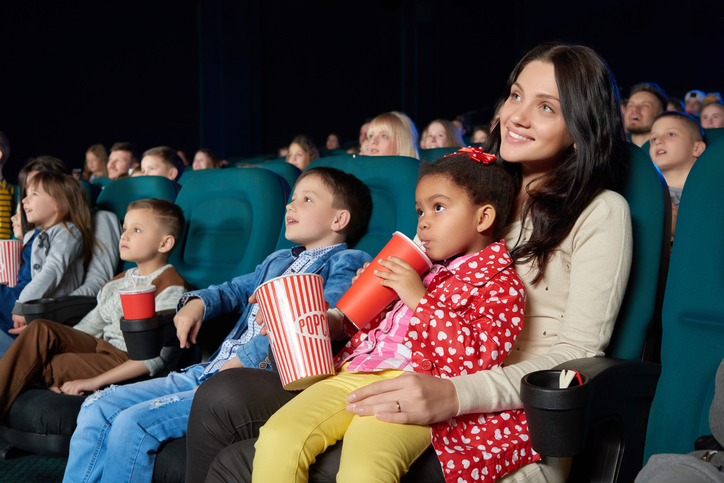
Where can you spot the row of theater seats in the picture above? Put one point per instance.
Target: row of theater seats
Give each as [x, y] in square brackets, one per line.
[225, 225]
[234, 219]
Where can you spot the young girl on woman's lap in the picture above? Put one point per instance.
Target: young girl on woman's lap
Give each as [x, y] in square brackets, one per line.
[461, 317]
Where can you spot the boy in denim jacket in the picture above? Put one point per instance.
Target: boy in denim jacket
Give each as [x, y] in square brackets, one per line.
[129, 423]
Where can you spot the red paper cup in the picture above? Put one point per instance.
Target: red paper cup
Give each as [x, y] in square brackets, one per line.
[295, 316]
[138, 302]
[366, 297]
[10, 256]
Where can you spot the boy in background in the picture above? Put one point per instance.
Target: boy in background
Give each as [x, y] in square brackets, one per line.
[120, 431]
[7, 192]
[163, 161]
[93, 353]
[677, 141]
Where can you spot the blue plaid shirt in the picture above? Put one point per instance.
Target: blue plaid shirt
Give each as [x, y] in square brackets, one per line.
[302, 260]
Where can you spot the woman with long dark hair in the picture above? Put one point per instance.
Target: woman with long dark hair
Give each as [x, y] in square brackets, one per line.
[560, 134]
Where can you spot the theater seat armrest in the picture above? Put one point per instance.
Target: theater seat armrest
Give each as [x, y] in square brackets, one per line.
[68, 310]
[616, 380]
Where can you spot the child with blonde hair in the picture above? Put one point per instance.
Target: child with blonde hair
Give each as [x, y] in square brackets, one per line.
[393, 134]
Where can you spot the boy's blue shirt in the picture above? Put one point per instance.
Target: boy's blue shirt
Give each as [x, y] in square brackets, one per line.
[337, 267]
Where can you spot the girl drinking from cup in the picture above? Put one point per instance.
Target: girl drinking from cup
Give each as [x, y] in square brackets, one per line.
[58, 207]
[560, 134]
[461, 317]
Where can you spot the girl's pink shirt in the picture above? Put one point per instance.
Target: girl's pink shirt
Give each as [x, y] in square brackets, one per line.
[383, 347]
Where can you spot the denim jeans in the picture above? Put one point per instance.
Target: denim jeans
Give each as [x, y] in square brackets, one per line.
[121, 428]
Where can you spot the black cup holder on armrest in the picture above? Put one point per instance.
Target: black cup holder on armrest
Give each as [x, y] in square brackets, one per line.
[146, 337]
[557, 418]
[66, 310]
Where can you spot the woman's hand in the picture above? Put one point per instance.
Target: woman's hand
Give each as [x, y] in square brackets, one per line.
[403, 279]
[79, 386]
[19, 324]
[422, 398]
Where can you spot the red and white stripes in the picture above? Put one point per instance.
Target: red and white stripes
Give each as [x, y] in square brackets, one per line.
[296, 319]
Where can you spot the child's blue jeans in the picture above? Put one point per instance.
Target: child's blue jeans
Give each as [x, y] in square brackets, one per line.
[121, 428]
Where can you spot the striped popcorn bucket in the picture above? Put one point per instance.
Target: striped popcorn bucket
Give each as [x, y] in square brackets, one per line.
[296, 320]
[10, 256]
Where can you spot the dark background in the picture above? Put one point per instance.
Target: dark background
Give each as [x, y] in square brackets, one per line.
[244, 77]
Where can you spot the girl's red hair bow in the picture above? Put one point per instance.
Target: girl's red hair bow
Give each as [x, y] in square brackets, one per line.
[476, 153]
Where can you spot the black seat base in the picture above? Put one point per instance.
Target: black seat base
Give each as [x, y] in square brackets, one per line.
[41, 421]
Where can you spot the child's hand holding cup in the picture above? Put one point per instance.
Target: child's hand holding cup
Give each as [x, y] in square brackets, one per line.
[367, 297]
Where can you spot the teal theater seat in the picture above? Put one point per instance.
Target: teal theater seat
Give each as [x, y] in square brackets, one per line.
[188, 174]
[711, 135]
[323, 153]
[232, 160]
[340, 157]
[255, 160]
[692, 346]
[648, 197]
[92, 195]
[392, 181]
[232, 223]
[646, 147]
[624, 382]
[288, 172]
[430, 155]
[116, 196]
[102, 182]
